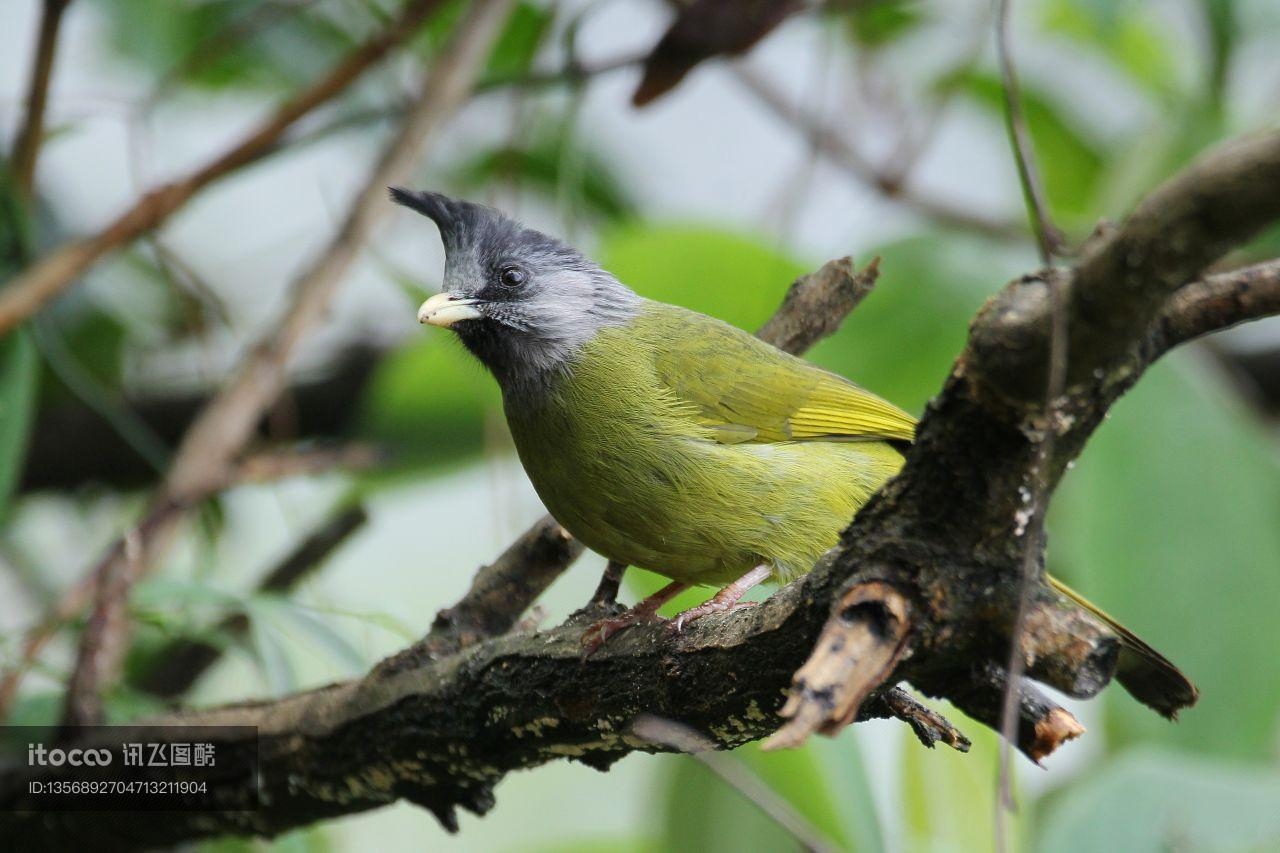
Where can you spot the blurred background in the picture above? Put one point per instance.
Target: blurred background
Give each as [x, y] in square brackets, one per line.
[852, 128]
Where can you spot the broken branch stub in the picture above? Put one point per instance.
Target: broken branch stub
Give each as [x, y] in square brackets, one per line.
[859, 647]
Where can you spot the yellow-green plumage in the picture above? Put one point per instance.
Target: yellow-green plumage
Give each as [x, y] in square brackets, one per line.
[683, 445]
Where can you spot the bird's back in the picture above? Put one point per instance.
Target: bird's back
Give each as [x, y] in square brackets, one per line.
[683, 445]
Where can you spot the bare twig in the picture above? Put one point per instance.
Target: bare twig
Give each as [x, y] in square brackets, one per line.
[55, 272]
[210, 446]
[816, 304]
[673, 735]
[105, 637]
[573, 73]
[1037, 498]
[1215, 303]
[505, 588]
[1048, 242]
[840, 152]
[929, 726]
[26, 149]
[1048, 238]
[302, 462]
[181, 663]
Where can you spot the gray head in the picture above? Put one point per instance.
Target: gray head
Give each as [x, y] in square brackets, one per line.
[522, 302]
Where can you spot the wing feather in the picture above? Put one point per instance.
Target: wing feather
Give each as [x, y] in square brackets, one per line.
[743, 389]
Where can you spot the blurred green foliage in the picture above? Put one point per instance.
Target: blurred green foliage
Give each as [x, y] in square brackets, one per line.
[18, 372]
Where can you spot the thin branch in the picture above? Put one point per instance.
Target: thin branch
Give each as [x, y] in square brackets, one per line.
[56, 271]
[1037, 499]
[209, 448]
[816, 304]
[181, 663]
[1048, 238]
[26, 150]
[573, 73]
[1215, 303]
[1048, 241]
[840, 152]
[501, 591]
[667, 733]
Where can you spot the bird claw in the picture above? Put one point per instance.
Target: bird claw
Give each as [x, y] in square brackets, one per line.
[693, 614]
[598, 634]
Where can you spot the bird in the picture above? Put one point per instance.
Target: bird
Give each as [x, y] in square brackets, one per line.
[666, 439]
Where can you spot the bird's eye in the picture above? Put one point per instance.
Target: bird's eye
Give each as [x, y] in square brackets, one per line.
[513, 276]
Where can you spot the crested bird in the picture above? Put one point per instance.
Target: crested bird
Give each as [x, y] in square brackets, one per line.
[669, 440]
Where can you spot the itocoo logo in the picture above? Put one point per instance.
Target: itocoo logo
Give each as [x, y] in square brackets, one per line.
[38, 754]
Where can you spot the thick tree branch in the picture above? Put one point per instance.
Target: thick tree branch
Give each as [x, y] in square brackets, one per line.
[55, 272]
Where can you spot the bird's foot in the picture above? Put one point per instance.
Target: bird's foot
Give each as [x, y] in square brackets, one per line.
[643, 613]
[726, 600]
[693, 614]
[601, 631]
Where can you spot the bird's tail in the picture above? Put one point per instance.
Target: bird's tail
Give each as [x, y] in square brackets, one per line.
[1145, 673]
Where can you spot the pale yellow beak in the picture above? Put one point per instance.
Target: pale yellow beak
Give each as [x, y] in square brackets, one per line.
[445, 309]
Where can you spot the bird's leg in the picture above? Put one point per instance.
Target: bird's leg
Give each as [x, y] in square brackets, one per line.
[725, 600]
[606, 594]
[645, 611]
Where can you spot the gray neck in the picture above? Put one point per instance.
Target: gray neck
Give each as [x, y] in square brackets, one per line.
[527, 357]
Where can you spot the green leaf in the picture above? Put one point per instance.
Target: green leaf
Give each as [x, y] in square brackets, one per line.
[735, 277]
[427, 402]
[18, 372]
[318, 630]
[1152, 801]
[217, 44]
[1128, 34]
[878, 24]
[1069, 163]
[1168, 523]
[516, 47]
[271, 655]
[948, 797]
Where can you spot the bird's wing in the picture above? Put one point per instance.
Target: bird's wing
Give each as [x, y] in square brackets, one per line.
[746, 390]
